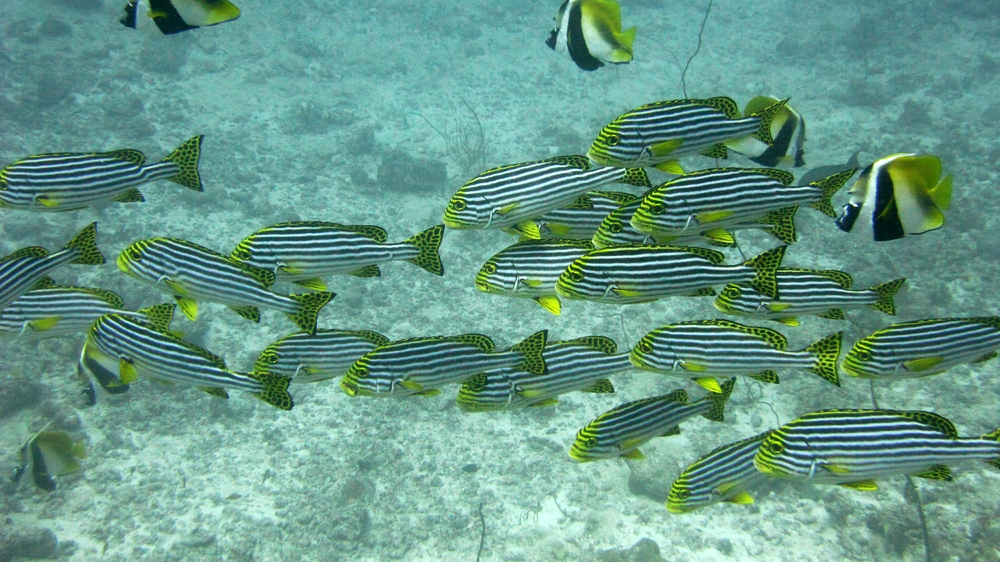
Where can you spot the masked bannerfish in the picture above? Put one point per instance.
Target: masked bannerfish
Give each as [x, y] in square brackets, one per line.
[175, 16]
[591, 30]
[48, 455]
[898, 195]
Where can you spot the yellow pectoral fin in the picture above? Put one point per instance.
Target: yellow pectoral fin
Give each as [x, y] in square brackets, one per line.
[508, 208]
[863, 485]
[126, 371]
[922, 364]
[529, 230]
[777, 306]
[720, 237]
[740, 498]
[634, 454]
[314, 284]
[43, 324]
[412, 385]
[628, 293]
[188, 306]
[290, 269]
[696, 367]
[550, 303]
[559, 229]
[544, 403]
[713, 216]
[665, 148]
[175, 288]
[48, 202]
[788, 321]
[530, 393]
[670, 167]
[836, 469]
[533, 283]
[709, 384]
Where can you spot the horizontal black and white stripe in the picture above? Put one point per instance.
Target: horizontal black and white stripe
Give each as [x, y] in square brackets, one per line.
[317, 249]
[717, 476]
[165, 357]
[203, 273]
[429, 362]
[580, 222]
[803, 291]
[653, 271]
[674, 207]
[714, 349]
[509, 195]
[886, 352]
[572, 365]
[700, 124]
[635, 422]
[18, 275]
[540, 262]
[303, 357]
[76, 180]
[842, 446]
[75, 307]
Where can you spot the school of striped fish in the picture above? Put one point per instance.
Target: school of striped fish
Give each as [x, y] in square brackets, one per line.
[576, 240]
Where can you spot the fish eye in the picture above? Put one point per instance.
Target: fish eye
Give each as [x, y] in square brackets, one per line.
[489, 269]
[775, 448]
[657, 209]
[732, 292]
[684, 494]
[864, 355]
[243, 253]
[645, 347]
[591, 442]
[269, 358]
[576, 276]
[457, 205]
[614, 139]
[134, 254]
[616, 228]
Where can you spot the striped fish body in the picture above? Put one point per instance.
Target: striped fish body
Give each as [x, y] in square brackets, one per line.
[923, 347]
[509, 196]
[583, 364]
[723, 475]
[722, 198]
[305, 357]
[57, 311]
[26, 268]
[702, 350]
[616, 229]
[581, 219]
[621, 431]
[854, 447]
[68, 181]
[420, 366]
[530, 269]
[142, 350]
[806, 292]
[191, 273]
[299, 251]
[636, 274]
[657, 134]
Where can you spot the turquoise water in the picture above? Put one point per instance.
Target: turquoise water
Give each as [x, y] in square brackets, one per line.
[317, 110]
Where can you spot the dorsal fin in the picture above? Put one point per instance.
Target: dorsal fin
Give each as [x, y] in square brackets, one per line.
[772, 337]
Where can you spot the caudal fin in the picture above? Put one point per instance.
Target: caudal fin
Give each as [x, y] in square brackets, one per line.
[886, 292]
[826, 352]
[636, 177]
[85, 242]
[275, 391]
[828, 186]
[186, 156]
[309, 307]
[719, 399]
[781, 224]
[428, 243]
[766, 265]
[767, 115]
[531, 348]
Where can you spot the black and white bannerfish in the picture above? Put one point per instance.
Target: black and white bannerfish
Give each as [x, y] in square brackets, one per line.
[808, 292]
[658, 134]
[132, 348]
[621, 431]
[191, 272]
[508, 197]
[304, 252]
[582, 364]
[721, 199]
[591, 31]
[175, 16]
[852, 448]
[923, 347]
[421, 366]
[705, 349]
[100, 374]
[580, 219]
[48, 455]
[788, 131]
[28, 268]
[637, 274]
[69, 181]
[898, 195]
[60, 311]
[529, 269]
[723, 475]
[305, 357]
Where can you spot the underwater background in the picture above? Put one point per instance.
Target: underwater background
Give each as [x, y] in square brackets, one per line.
[345, 112]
